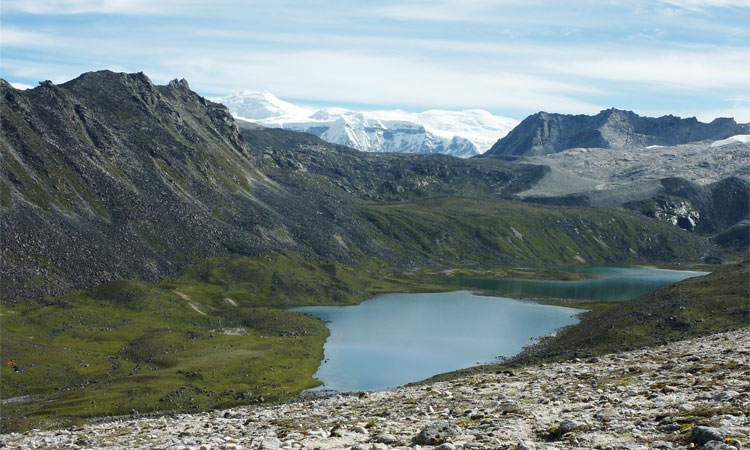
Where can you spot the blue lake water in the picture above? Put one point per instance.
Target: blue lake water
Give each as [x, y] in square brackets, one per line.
[395, 339]
[606, 283]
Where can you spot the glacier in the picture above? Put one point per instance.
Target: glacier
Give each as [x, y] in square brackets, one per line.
[457, 133]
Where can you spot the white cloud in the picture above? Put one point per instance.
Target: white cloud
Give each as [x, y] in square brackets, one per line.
[89, 6]
[377, 80]
[440, 10]
[702, 5]
[15, 37]
[712, 68]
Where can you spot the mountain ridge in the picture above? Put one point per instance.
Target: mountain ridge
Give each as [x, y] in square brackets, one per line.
[544, 133]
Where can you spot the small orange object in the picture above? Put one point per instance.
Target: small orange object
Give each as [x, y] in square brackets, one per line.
[11, 363]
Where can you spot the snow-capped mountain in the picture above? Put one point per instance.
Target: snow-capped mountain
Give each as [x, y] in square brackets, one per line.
[458, 133]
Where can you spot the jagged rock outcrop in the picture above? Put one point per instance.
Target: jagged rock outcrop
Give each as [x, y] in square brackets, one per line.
[712, 208]
[543, 133]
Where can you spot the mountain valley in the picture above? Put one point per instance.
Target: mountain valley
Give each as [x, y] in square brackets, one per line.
[151, 242]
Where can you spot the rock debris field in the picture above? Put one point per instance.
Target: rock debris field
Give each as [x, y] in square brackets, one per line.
[585, 170]
[688, 394]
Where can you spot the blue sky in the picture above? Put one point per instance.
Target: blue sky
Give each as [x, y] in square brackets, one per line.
[513, 58]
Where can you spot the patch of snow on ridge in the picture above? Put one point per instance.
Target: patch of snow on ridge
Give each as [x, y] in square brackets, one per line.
[21, 86]
[457, 133]
[740, 138]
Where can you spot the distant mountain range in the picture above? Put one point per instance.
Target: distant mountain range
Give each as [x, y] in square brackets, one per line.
[457, 133]
[544, 133]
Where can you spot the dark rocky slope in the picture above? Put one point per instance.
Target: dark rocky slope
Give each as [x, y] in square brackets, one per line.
[109, 177]
[543, 133]
[384, 177]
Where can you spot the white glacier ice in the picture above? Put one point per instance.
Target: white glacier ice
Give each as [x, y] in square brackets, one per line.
[457, 133]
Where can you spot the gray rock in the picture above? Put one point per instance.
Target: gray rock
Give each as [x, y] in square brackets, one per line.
[508, 407]
[358, 447]
[445, 446]
[565, 427]
[270, 443]
[735, 443]
[670, 427]
[724, 396]
[605, 415]
[717, 445]
[702, 435]
[360, 430]
[661, 445]
[436, 433]
[524, 445]
[386, 438]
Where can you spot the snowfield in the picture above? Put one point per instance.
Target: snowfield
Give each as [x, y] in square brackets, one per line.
[740, 138]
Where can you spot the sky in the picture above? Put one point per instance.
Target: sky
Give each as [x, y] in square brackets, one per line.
[512, 58]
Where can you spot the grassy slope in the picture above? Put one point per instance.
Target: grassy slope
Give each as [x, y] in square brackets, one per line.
[128, 345]
[474, 232]
[693, 307]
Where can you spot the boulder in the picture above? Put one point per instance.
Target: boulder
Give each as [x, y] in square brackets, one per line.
[270, 443]
[436, 433]
[702, 435]
[524, 445]
[508, 407]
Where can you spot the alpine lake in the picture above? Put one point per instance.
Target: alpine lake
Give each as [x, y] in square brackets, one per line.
[394, 339]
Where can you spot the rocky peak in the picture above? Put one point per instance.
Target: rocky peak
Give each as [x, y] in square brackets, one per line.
[180, 84]
[543, 133]
[107, 78]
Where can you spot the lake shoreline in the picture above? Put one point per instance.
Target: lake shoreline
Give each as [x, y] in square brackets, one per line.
[394, 339]
[632, 391]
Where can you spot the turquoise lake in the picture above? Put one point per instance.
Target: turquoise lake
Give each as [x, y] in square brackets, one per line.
[606, 283]
[394, 339]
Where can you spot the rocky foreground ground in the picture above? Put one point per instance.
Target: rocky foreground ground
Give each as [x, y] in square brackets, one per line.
[689, 394]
